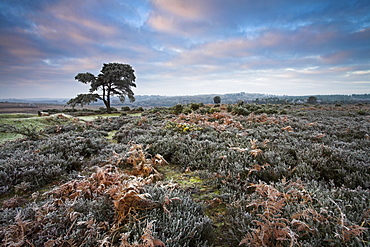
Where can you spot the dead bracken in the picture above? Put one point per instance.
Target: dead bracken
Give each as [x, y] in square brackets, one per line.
[191, 175]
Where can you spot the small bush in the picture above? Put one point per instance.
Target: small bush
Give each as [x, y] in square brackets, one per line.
[195, 106]
[213, 110]
[139, 109]
[362, 112]
[177, 109]
[240, 111]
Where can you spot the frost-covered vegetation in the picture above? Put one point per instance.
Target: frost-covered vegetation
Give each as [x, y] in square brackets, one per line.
[191, 175]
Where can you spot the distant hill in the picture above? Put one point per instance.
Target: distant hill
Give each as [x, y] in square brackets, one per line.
[231, 98]
[37, 100]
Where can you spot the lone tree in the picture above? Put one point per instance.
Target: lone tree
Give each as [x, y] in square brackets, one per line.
[217, 99]
[312, 100]
[114, 79]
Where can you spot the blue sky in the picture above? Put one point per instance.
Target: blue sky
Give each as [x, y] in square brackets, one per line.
[186, 47]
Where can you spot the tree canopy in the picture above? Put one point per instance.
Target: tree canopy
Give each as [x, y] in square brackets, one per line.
[312, 100]
[217, 99]
[114, 79]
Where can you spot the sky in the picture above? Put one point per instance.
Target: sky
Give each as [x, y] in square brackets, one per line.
[186, 47]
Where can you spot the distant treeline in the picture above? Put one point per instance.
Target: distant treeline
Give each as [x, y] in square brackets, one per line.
[231, 98]
[157, 100]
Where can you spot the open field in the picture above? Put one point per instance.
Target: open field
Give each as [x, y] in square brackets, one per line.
[33, 108]
[26, 107]
[189, 175]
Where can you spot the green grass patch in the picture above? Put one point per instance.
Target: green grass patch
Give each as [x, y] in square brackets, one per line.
[16, 115]
[111, 134]
[106, 115]
[94, 117]
[31, 121]
[17, 120]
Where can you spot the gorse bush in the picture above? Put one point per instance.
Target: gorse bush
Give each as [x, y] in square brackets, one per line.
[182, 127]
[246, 109]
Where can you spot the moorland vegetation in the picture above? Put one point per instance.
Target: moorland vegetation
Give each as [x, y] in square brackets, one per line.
[189, 175]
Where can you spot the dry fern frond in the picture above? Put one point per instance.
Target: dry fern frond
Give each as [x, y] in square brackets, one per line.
[148, 239]
[256, 152]
[308, 214]
[301, 226]
[265, 142]
[258, 168]
[288, 128]
[124, 239]
[130, 202]
[14, 202]
[141, 166]
[319, 136]
[264, 118]
[347, 232]
[239, 149]
[16, 235]
[352, 232]
[168, 201]
[297, 193]
[271, 228]
[253, 143]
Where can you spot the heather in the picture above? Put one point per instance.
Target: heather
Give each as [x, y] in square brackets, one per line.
[191, 175]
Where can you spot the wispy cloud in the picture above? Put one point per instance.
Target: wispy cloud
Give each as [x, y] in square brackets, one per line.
[187, 47]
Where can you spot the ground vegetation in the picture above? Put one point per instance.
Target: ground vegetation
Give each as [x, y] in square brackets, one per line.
[190, 175]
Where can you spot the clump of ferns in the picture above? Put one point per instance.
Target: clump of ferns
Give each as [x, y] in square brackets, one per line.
[289, 214]
[97, 209]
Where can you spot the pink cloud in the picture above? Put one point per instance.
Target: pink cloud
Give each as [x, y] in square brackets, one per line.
[189, 9]
[65, 26]
[184, 18]
[337, 58]
[162, 23]
[213, 52]
[20, 48]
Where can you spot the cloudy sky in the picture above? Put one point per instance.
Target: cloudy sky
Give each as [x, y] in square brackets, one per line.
[186, 47]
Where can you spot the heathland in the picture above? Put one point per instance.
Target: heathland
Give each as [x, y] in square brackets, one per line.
[189, 175]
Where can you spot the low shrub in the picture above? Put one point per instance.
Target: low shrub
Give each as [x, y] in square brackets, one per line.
[298, 179]
[111, 207]
[125, 108]
[240, 111]
[298, 214]
[177, 109]
[37, 163]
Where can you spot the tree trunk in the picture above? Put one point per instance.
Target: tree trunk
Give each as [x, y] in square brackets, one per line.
[106, 99]
[109, 111]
